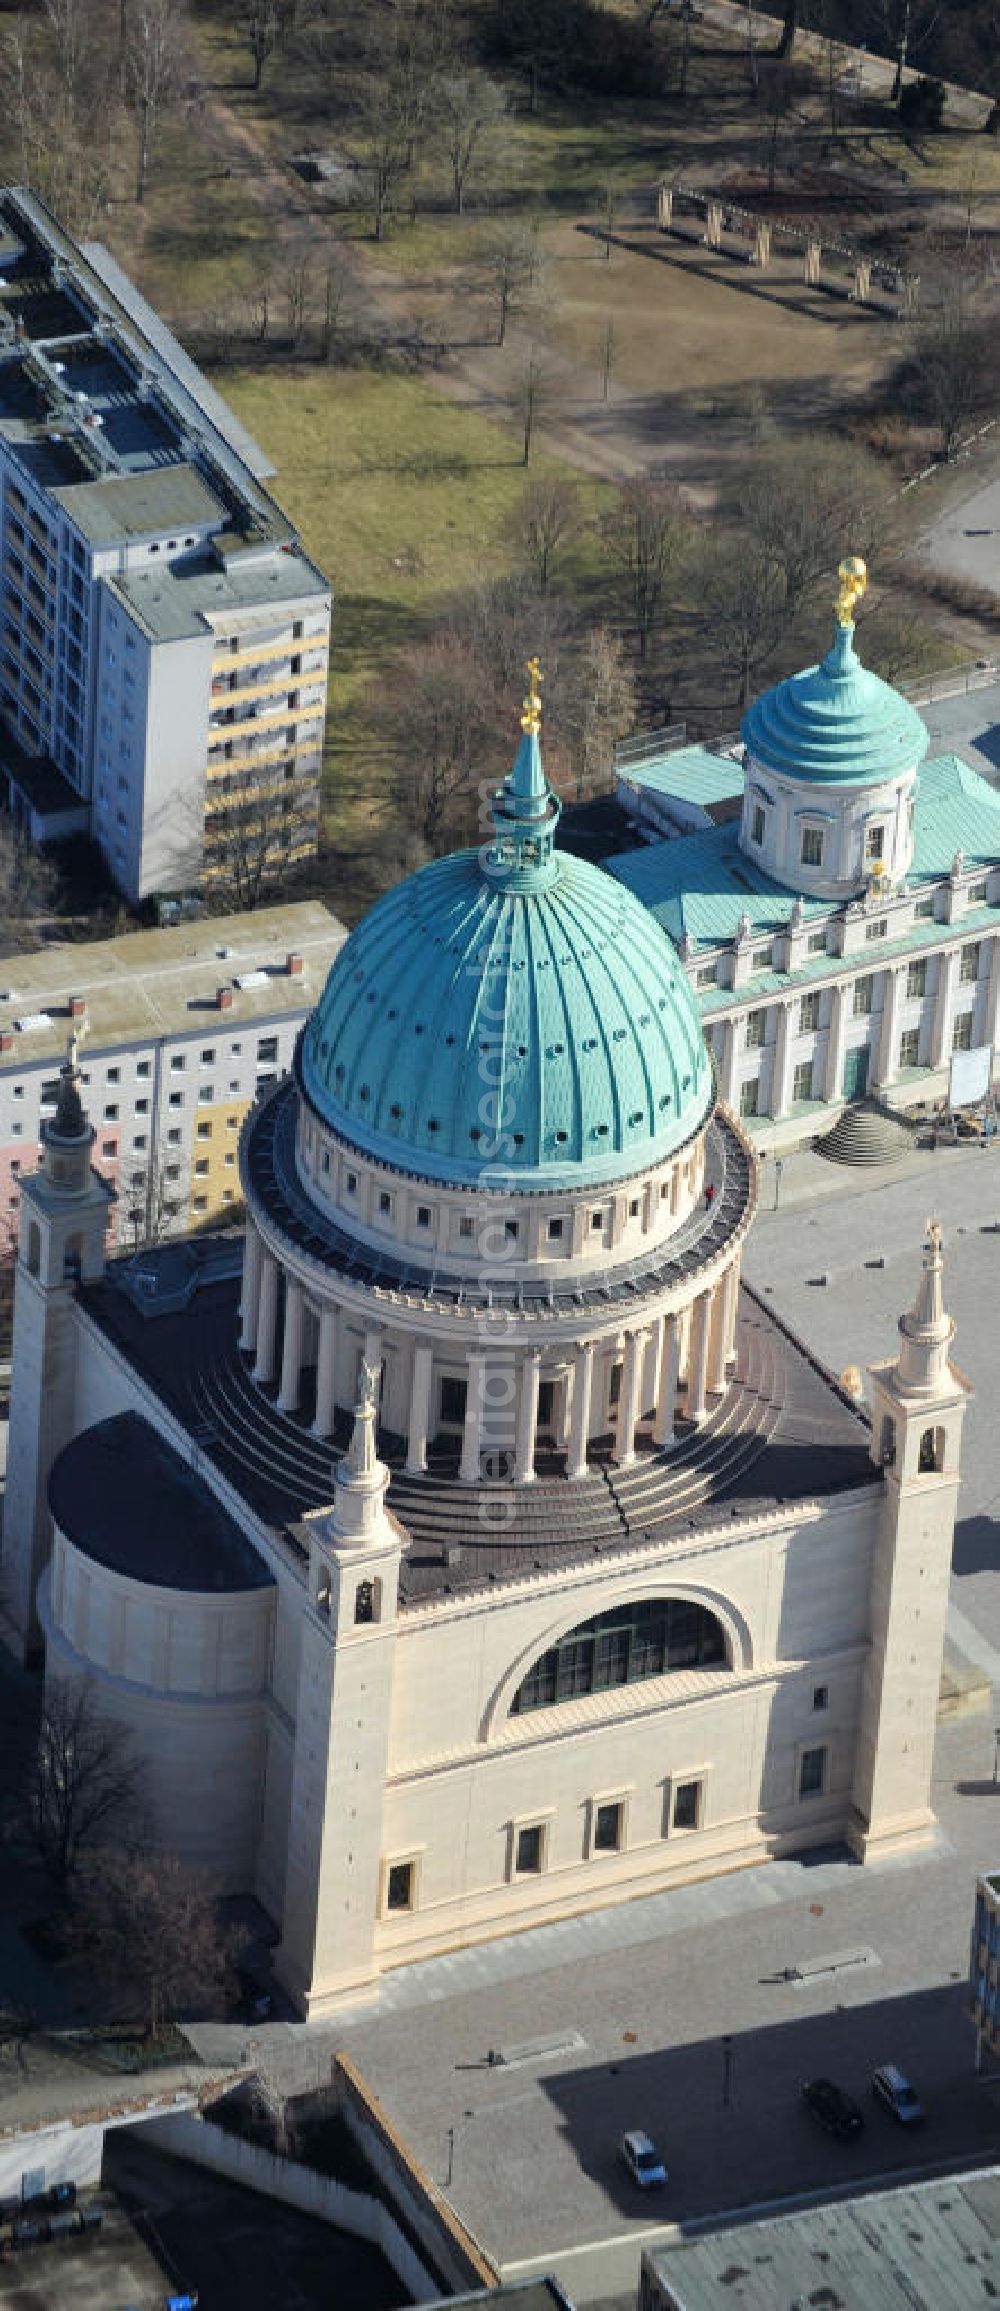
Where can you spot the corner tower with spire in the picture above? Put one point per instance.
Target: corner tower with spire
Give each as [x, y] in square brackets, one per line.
[918, 1407]
[337, 1885]
[64, 1217]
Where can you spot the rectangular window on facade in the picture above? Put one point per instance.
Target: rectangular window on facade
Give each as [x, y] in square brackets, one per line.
[208, 1056]
[812, 1773]
[874, 844]
[399, 1886]
[811, 849]
[206, 1093]
[809, 1014]
[968, 969]
[384, 1202]
[909, 1047]
[821, 1697]
[816, 943]
[529, 1850]
[756, 1026]
[864, 995]
[267, 1050]
[555, 1231]
[924, 911]
[177, 1061]
[466, 1226]
[597, 1219]
[916, 978]
[962, 1034]
[203, 1130]
[351, 1183]
[143, 1067]
[750, 1097]
[757, 823]
[199, 1204]
[762, 957]
[423, 1215]
[977, 894]
[686, 1809]
[174, 1138]
[608, 1831]
[802, 1081]
[111, 1112]
[879, 930]
[201, 1167]
[510, 1229]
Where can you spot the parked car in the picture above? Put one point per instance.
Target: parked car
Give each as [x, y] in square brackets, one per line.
[833, 2108]
[893, 2090]
[642, 2159]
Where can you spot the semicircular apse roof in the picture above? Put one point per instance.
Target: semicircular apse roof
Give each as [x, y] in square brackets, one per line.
[532, 1020]
[836, 723]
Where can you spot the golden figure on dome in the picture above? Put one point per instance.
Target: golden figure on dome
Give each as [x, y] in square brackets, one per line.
[531, 719]
[853, 575]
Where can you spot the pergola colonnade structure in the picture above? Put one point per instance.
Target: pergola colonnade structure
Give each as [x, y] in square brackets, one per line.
[499, 1382]
[693, 213]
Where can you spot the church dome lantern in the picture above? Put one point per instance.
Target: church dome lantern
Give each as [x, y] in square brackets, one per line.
[832, 758]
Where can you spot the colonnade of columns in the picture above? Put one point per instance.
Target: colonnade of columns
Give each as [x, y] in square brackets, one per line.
[675, 1361]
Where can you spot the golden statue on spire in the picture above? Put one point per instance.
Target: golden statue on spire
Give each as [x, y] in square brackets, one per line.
[531, 719]
[853, 575]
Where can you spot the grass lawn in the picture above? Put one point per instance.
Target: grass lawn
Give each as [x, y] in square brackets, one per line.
[403, 500]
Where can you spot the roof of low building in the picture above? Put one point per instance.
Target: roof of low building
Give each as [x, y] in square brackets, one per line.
[695, 774]
[148, 984]
[126, 1499]
[914, 2249]
[701, 884]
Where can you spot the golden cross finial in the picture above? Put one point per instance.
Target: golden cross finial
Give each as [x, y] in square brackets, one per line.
[853, 575]
[80, 1028]
[531, 719]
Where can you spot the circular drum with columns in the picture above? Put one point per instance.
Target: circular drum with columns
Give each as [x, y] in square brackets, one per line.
[499, 1172]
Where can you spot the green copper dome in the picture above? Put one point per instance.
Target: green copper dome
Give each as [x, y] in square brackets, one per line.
[510, 1010]
[836, 723]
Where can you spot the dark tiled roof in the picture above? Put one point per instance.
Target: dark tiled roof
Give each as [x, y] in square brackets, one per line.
[124, 1497]
[783, 1431]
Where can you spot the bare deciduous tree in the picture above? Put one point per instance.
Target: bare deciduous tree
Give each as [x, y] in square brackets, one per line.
[648, 534]
[264, 827]
[952, 364]
[512, 261]
[153, 71]
[29, 884]
[809, 504]
[435, 716]
[604, 707]
[531, 395]
[741, 597]
[150, 1927]
[85, 1783]
[609, 356]
[547, 515]
[467, 107]
[153, 1198]
[262, 23]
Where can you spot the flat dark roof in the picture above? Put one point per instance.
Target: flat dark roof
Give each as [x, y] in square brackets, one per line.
[784, 1432]
[125, 1498]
